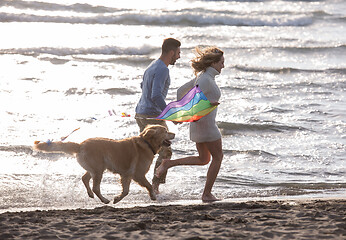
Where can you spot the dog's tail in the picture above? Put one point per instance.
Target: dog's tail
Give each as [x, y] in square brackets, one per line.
[68, 147]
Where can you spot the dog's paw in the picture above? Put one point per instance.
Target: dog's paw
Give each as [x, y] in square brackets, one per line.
[105, 201]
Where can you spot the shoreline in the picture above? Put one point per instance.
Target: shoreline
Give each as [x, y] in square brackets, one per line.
[260, 219]
[165, 202]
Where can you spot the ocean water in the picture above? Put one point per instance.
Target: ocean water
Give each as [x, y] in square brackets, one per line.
[68, 64]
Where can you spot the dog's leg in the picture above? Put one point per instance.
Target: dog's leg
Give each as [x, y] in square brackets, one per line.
[96, 187]
[144, 182]
[125, 182]
[86, 180]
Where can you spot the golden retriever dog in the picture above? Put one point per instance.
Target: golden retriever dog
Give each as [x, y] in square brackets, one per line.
[130, 158]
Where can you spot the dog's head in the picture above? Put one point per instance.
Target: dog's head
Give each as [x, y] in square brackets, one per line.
[157, 136]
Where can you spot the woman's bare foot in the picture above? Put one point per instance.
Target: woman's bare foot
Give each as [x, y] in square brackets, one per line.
[209, 198]
[162, 168]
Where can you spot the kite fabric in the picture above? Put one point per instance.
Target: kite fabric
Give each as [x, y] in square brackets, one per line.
[192, 107]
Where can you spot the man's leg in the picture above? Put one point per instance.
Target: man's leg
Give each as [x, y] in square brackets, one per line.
[164, 153]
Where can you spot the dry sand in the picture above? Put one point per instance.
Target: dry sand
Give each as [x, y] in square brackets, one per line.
[309, 219]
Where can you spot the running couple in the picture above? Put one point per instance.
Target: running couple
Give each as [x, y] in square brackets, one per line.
[205, 133]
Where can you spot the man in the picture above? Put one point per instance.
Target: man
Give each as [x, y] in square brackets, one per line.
[155, 87]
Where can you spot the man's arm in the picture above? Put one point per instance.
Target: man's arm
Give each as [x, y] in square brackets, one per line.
[158, 86]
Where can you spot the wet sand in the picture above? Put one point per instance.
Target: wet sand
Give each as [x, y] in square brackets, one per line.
[286, 219]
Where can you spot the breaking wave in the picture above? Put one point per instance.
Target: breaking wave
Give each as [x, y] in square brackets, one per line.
[170, 18]
[103, 50]
[228, 128]
[287, 69]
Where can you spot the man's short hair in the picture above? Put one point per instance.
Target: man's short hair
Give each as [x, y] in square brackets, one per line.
[170, 44]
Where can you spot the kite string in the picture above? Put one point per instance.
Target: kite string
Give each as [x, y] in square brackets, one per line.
[110, 112]
[64, 138]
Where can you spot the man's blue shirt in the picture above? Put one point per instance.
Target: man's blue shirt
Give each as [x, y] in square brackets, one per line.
[154, 86]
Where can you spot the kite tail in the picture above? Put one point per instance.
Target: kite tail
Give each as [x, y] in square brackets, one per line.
[68, 147]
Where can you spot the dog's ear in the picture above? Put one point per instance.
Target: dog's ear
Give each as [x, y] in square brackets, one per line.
[148, 132]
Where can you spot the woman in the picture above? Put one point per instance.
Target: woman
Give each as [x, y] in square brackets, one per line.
[205, 133]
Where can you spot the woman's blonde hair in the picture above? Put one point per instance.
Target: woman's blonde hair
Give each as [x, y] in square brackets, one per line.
[205, 57]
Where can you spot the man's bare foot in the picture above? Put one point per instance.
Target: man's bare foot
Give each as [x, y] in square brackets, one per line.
[209, 198]
[162, 168]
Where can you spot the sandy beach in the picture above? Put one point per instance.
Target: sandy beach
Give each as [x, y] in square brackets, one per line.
[286, 219]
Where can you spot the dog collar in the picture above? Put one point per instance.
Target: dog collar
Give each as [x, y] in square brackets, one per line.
[151, 147]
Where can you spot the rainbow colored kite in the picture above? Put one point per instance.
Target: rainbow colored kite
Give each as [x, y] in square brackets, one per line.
[192, 107]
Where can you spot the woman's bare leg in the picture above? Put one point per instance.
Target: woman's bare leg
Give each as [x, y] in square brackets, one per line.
[202, 159]
[205, 150]
[215, 149]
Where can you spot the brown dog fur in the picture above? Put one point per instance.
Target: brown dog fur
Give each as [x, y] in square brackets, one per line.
[130, 158]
